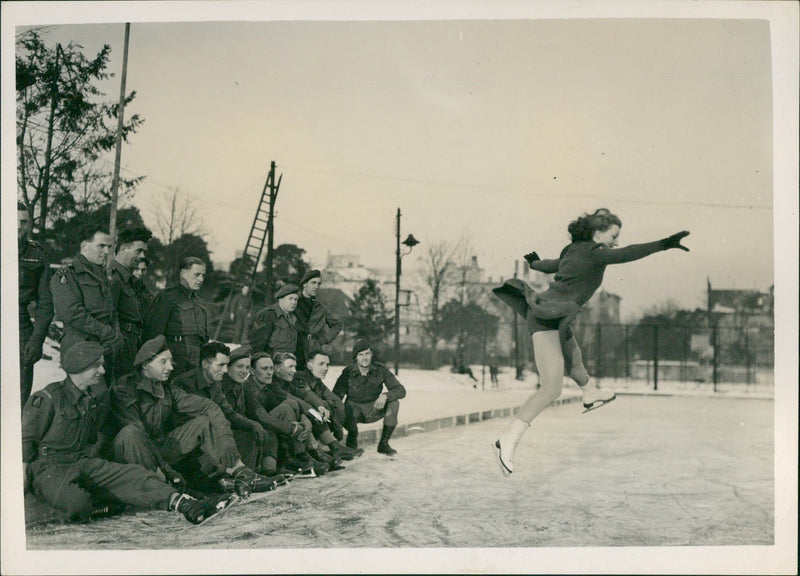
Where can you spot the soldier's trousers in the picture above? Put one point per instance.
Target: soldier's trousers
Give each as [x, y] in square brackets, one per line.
[69, 485]
[123, 360]
[185, 353]
[252, 451]
[365, 412]
[133, 445]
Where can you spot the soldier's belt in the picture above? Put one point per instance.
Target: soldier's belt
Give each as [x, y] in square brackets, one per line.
[130, 327]
[183, 337]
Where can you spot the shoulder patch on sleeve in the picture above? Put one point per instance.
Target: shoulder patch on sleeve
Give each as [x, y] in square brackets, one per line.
[36, 401]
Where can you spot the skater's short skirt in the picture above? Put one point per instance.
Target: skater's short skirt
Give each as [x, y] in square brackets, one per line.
[541, 325]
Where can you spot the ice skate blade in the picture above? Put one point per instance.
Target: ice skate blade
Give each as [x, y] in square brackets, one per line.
[222, 506]
[598, 404]
[496, 449]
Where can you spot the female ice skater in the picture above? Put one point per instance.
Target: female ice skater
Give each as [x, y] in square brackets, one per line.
[548, 315]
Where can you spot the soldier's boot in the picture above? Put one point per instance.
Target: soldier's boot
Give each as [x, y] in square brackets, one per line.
[334, 462]
[198, 511]
[383, 445]
[343, 452]
[352, 438]
[255, 482]
[269, 469]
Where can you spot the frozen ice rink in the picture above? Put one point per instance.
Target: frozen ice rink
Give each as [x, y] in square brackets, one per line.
[642, 471]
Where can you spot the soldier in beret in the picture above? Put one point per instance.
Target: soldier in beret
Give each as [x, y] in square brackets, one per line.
[127, 294]
[180, 315]
[64, 433]
[275, 327]
[161, 424]
[34, 291]
[361, 386]
[258, 447]
[82, 297]
[316, 326]
[241, 309]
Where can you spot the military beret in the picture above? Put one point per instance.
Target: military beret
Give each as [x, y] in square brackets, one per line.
[286, 290]
[80, 356]
[360, 346]
[149, 349]
[241, 352]
[310, 275]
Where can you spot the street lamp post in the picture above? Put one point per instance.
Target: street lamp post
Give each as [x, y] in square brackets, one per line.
[410, 242]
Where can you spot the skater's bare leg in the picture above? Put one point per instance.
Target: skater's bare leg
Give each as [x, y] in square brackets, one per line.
[550, 362]
[577, 371]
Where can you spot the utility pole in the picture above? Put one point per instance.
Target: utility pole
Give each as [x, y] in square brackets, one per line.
[112, 227]
[273, 197]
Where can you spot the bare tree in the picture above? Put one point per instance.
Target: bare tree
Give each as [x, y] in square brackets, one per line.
[439, 273]
[176, 215]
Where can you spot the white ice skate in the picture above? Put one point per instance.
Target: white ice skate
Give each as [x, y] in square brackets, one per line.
[504, 446]
[594, 397]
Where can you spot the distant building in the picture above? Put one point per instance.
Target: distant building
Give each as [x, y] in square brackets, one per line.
[745, 321]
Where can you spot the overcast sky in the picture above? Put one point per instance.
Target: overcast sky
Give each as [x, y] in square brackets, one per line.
[502, 131]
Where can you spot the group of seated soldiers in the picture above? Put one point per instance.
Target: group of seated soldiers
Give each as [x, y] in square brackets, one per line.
[239, 422]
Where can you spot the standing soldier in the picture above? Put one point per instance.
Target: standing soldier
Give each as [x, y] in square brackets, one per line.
[240, 313]
[181, 316]
[82, 297]
[316, 326]
[275, 327]
[34, 289]
[128, 298]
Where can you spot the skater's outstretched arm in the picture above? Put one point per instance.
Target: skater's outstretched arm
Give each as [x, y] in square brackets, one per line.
[604, 255]
[546, 266]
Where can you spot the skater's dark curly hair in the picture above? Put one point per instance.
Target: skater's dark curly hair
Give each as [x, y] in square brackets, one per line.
[583, 229]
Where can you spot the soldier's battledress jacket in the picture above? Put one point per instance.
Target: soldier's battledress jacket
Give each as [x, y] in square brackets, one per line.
[180, 315]
[128, 299]
[60, 423]
[316, 325]
[83, 302]
[308, 387]
[193, 382]
[274, 330]
[361, 389]
[158, 408]
[34, 286]
[175, 312]
[261, 400]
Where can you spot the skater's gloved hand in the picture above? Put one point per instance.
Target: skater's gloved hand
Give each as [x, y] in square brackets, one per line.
[380, 402]
[531, 257]
[674, 241]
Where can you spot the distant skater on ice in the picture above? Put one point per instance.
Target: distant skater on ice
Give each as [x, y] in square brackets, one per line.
[548, 315]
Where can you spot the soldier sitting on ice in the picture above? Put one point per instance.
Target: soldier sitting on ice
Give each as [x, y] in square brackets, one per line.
[257, 446]
[275, 409]
[308, 385]
[161, 425]
[63, 440]
[361, 386]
